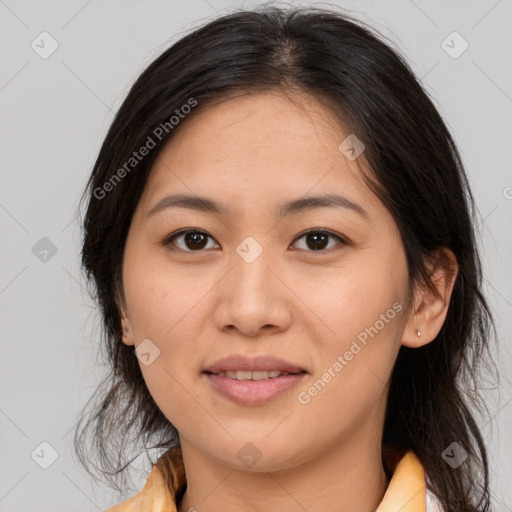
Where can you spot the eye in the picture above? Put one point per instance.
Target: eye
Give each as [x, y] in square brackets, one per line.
[193, 239]
[317, 240]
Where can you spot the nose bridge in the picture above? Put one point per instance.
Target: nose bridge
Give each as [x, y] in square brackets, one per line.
[251, 274]
[251, 296]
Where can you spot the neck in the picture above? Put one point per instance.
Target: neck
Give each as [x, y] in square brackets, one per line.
[344, 477]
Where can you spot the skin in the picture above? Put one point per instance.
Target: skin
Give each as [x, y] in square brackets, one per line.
[252, 153]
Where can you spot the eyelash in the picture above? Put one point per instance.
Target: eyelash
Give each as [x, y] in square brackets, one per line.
[168, 240]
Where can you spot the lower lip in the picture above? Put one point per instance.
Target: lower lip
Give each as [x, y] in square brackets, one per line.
[253, 392]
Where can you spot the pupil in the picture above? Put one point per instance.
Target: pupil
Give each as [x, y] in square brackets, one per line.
[196, 239]
[318, 238]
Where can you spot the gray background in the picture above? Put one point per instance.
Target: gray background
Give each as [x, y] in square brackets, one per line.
[54, 115]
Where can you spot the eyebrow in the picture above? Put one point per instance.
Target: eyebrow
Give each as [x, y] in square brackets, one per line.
[207, 205]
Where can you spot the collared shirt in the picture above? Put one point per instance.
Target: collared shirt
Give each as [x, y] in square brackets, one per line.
[407, 490]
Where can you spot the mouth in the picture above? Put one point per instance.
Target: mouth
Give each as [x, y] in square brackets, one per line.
[253, 388]
[254, 375]
[252, 380]
[259, 367]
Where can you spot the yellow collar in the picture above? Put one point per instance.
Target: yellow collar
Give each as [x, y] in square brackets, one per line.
[406, 491]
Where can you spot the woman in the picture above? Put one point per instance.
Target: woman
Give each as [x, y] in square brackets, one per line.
[280, 234]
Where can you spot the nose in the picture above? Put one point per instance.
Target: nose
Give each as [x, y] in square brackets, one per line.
[252, 298]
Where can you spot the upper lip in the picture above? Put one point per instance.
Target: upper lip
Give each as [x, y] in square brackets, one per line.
[255, 363]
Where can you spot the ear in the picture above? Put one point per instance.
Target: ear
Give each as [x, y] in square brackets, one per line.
[430, 308]
[126, 326]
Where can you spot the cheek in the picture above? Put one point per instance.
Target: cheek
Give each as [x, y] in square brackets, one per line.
[355, 357]
[351, 297]
[165, 318]
[160, 297]
[166, 307]
[359, 315]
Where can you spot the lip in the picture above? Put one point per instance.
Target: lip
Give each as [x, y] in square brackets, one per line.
[253, 392]
[255, 363]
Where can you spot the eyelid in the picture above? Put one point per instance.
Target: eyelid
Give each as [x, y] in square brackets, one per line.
[343, 240]
[167, 240]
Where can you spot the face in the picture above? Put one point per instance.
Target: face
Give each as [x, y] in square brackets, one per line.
[319, 286]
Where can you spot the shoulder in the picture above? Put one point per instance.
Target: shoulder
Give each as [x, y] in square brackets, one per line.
[165, 481]
[144, 500]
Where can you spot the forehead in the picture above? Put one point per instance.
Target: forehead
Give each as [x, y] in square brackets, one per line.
[258, 147]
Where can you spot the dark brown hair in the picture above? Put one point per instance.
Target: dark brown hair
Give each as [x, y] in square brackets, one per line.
[416, 170]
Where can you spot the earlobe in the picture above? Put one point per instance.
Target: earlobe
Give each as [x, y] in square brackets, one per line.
[431, 305]
[126, 327]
